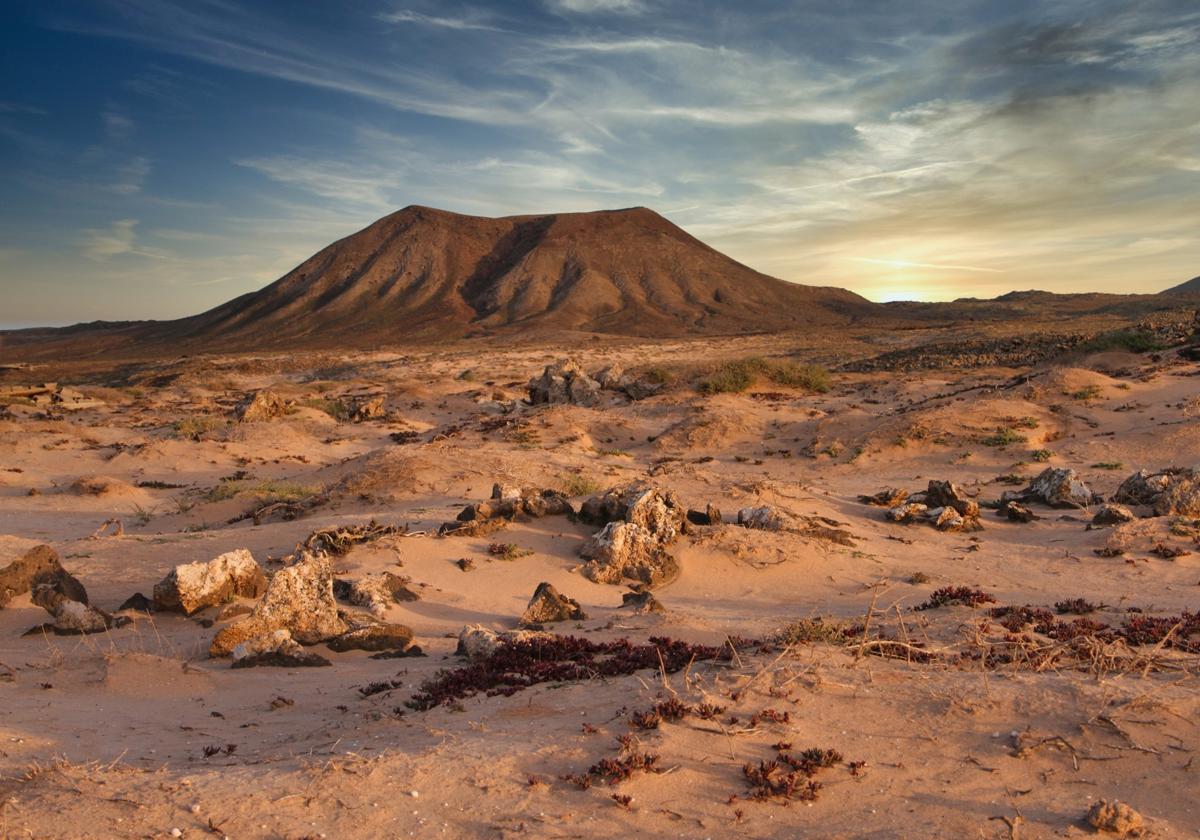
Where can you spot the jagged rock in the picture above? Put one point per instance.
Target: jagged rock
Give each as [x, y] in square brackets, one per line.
[908, 512]
[642, 602]
[39, 567]
[192, 587]
[72, 617]
[373, 637]
[659, 511]
[611, 378]
[564, 382]
[1115, 818]
[624, 550]
[1173, 491]
[379, 591]
[639, 522]
[1056, 487]
[369, 409]
[948, 494]
[761, 518]
[505, 492]
[948, 519]
[1110, 514]
[549, 605]
[260, 407]
[711, 515]
[1017, 512]
[888, 497]
[639, 390]
[477, 642]
[299, 599]
[138, 603]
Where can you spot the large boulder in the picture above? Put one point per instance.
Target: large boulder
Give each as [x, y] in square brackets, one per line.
[626, 550]
[298, 599]
[39, 566]
[191, 587]
[549, 605]
[564, 382]
[1173, 491]
[1059, 487]
[639, 522]
[373, 637]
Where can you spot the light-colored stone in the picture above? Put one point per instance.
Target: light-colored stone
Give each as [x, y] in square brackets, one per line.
[299, 599]
[191, 587]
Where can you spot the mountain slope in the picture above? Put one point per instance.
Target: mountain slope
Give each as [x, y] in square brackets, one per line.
[424, 273]
[1191, 287]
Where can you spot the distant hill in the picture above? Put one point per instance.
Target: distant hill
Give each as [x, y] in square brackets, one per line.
[422, 272]
[426, 274]
[1191, 287]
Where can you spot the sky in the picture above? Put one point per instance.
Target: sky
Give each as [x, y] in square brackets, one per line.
[158, 157]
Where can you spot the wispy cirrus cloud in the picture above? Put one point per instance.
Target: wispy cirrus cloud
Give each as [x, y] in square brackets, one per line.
[949, 149]
[467, 23]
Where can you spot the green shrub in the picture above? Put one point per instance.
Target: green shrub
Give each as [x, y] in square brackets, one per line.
[334, 408]
[197, 424]
[577, 484]
[1004, 436]
[271, 490]
[1130, 341]
[737, 375]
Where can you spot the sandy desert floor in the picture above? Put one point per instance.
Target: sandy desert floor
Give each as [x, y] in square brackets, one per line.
[946, 722]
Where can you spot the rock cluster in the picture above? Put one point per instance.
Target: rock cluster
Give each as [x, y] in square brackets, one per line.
[566, 382]
[298, 608]
[192, 587]
[50, 395]
[298, 599]
[942, 504]
[506, 504]
[549, 605]
[1173, 491]
[639, 523]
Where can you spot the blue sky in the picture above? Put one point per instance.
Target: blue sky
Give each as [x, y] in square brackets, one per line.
[158, 157]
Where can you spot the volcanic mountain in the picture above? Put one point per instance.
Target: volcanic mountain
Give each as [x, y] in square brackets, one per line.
[425, 273]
